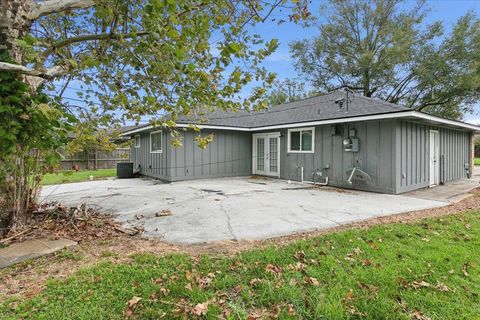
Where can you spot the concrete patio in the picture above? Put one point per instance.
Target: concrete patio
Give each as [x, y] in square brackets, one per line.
[242, 208]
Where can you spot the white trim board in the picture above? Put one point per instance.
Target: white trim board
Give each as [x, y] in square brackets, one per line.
[289, 131]
[393, 115]
[161, 141]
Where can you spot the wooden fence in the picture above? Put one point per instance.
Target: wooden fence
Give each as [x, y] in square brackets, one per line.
[100, 159]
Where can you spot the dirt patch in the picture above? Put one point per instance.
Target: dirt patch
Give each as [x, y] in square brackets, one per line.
[28, 279]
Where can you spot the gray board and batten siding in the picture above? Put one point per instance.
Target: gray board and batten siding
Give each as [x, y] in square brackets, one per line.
[395, 153]
[375, 156]
[228, 155]
[413, 154]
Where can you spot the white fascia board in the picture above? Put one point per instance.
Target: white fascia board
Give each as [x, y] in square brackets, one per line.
[340, 120]
[430, 117]
[183, 125]
[393, 115]
[204, 126]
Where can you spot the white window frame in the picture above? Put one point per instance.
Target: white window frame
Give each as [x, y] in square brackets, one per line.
[300, 130]
[161, 142]
[137, 145]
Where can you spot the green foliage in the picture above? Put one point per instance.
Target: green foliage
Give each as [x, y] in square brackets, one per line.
[163, 59]
[396, 271]
[32, 131]
[383, 50]
[30, 123]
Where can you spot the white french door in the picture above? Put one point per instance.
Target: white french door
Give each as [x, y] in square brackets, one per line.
[434, 158]
[266, 154]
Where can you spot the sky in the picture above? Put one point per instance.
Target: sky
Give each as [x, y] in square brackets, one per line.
[446, 11]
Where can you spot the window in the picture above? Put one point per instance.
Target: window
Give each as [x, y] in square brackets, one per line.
[137, 141]
[156, 142]
[301, 140]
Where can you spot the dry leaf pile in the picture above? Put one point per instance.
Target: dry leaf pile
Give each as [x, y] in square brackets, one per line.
[77, 223]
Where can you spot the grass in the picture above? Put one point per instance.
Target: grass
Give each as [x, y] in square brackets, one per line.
[77, 176]
[424, 270]
[476, 161]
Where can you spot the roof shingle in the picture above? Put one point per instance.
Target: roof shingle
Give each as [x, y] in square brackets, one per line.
[322, 107]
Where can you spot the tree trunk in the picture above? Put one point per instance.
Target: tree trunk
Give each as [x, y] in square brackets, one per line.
[14, 25]
[14, 186]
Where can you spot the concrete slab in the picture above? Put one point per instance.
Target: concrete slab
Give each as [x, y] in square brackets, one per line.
[30, 249]
[450, 192]
[230, 208]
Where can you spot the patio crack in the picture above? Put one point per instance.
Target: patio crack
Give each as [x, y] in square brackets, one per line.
[229, 225]
[313, 214]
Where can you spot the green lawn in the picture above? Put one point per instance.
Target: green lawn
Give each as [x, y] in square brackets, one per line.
[425, 270]
[476, 161]
[77, 176]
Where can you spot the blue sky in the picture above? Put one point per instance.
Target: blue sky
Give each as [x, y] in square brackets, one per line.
[446, 11]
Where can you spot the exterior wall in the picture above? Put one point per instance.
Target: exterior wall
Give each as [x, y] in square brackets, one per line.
[152, 164]
[375, 156]
[394, 153]
[413, 154]
[229, 154]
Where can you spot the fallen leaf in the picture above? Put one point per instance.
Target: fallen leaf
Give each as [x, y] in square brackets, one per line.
[189, 287]
[226, 313]
[367, 262]
[164, 213]
[131, 306]
[153, 296]
[291, 309]
[297, 267]
[442, 287]
[165, 291]
[132, 302]
[464, 270]
[255, 281]
[419, 284]
[311, 280]
[200, 309]
[273, 269]
[417, 315]
[300, 255]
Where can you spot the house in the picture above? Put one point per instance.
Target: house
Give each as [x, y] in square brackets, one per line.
[339, 139]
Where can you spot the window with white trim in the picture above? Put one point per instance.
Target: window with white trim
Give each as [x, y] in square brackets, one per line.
[301, 140]
[156, 142]
[137, 141]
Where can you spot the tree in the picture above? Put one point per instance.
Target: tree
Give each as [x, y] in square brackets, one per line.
[287, 90]
[380, 49]
[136, 58]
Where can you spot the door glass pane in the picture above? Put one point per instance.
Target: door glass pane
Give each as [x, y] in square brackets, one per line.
[260, 154]
[295, 140]
[307, 140]
[273, 154]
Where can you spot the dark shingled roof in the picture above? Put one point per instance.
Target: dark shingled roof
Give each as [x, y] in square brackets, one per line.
[322, 107]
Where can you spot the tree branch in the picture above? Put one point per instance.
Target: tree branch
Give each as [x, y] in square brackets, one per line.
[49, 73]
[52, 6]
[91, 37]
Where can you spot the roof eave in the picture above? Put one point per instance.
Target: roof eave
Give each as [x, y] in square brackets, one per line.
[381, 116]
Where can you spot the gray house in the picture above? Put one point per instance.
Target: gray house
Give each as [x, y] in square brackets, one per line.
[337, 139]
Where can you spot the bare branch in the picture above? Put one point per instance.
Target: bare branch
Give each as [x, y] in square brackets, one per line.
[91, 37]
[52, 6]
[49, 73]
